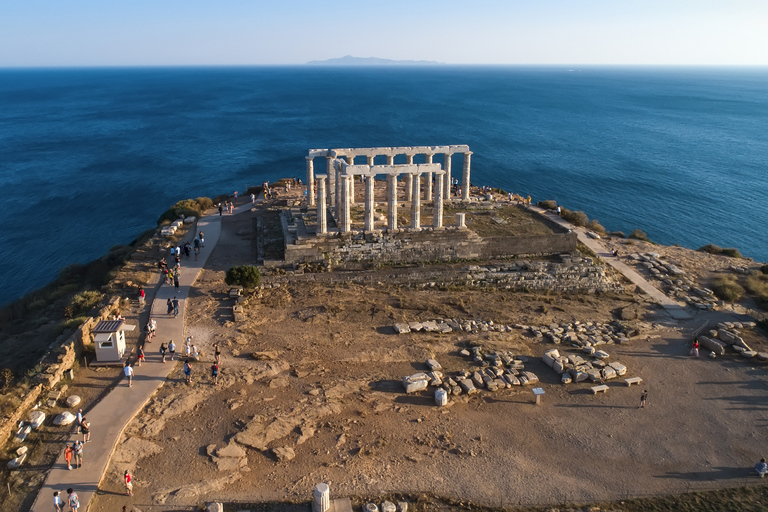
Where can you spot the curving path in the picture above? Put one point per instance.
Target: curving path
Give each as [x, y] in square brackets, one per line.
[675, 309]
[110, 416]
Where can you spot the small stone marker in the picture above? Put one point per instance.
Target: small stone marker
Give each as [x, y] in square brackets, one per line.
[441, 397]
[538, 392]
[73, 400]
[388, 506]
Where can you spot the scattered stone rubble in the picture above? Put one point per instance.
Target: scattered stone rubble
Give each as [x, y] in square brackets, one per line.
[498, 370]
[574, 368]
[677, 283]
[583, 334]
[573, 274]
[727, 336]
[450, 325]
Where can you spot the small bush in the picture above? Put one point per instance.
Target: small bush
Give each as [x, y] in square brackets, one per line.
[549, 204]
[246, 276]
[714, 249]
[72, 323]
[639, 235]
[764, 269]
[726, 288]
[186, 207]
[596, 227]
[576, 218]
[82, 303]
[618, 234]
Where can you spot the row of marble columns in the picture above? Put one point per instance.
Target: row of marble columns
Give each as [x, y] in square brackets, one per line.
[334, 184]
[345, 184]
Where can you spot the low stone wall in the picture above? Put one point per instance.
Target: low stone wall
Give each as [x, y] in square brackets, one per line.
[448, 244]
[57, 361]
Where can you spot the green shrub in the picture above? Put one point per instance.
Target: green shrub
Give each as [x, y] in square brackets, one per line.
[246, 276]
[726, 288]
[714, 249]
[549, 204]
[576, 218]
[596, 227]
[82, 303]
[639, 235]
[186, 207]
[618, 234]
[72, 323]
[764, 269]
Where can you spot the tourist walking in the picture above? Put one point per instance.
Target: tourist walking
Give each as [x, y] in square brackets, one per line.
[188, 346]
[74, 501]
[172, 349]
[176, 281]
[128, 370]
[78, 421]
[235, 194]
[86, 429]
[142, 295]
[643, 398]
[221, 209]
[78, 449]
[202, 239]
[175, 304]
[215, 373]
[163, 349]
[695, 348]
[68, 452]
[217, 353]
[253, 198]
[169, 304]
[58, 503]
[188, 371]
[128, 479]
[140, 359]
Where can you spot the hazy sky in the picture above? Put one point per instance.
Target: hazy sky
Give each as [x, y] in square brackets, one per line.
[226, 32]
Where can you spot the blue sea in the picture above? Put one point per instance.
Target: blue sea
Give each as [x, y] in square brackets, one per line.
[89, 158]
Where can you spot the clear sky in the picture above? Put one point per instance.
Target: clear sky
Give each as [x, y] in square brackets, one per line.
[266, 32]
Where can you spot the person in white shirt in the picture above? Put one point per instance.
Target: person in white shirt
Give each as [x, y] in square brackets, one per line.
[128, 370]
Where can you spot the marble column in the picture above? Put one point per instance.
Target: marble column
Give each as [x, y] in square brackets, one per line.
[351, 161]
[392, 201]
[416, 202]
[465, 177]
[369, 210]
[348, 200]
[331, 173]
[447, 178]
[428, 178]
[344, 217]
[409, 180]
[438, 215]
[339, 182]
[322, 221]
[310, 182]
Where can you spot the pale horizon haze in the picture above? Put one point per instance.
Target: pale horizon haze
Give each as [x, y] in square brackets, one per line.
[47, 33]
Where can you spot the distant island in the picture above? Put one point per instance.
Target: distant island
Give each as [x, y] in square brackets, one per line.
[349, 60]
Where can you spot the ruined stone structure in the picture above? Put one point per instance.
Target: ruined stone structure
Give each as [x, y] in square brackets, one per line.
[336, 187]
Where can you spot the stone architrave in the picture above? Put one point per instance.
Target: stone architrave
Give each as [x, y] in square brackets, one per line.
[392, 202]
[465, 178]
[322, 221]
[447, 178]
[331, 173]
[310, 182]
[409, 179]
[369, 210]
[351, 161]
[438, 215]
[428, 178]
[416, 202]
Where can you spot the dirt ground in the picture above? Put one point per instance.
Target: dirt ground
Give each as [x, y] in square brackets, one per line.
[310, 391]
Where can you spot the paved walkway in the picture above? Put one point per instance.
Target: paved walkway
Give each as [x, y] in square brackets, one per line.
[674, 308]
[109, 417]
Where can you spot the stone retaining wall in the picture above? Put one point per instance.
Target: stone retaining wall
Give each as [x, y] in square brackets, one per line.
[447, 244]
[57, 361]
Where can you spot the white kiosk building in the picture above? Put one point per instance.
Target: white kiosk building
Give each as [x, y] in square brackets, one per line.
[109, 338]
